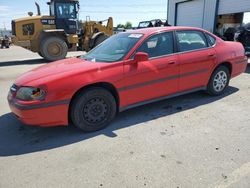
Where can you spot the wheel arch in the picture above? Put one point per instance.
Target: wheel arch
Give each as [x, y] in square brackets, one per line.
[105, 85]
[53, 33]
[210, 85]
[226, 64]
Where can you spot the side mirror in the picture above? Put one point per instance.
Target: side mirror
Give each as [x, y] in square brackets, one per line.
[140, 56]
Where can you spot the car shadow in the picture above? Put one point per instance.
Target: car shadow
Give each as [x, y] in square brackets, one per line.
[18, 139]
[23, 62]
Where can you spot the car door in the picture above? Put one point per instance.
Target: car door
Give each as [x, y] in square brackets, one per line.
[196, 59]
[156, 77]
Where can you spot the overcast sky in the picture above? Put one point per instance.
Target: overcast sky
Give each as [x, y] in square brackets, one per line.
[121, 11]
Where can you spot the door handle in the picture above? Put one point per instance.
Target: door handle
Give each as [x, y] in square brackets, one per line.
[211, 55]
[172, 63]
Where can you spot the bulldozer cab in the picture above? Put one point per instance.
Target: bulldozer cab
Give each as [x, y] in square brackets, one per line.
[53, 35]
[66, 14]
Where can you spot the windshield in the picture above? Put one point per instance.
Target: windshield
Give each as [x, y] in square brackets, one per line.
[114, 48]
[66, 10]
[144, 24]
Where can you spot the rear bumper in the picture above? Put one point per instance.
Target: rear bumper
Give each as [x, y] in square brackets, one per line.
[240, 67]
[24, 44]
[44, 114]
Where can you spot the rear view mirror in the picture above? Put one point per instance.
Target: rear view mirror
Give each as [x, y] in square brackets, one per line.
[140, 56]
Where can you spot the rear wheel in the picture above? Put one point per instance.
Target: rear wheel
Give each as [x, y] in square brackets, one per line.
[93, 109]
[219, 81]
[7, 45]
[54, 48]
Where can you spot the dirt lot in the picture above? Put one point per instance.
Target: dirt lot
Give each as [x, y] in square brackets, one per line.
[189, 141]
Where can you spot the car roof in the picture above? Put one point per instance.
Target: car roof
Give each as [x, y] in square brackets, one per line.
[152, 30]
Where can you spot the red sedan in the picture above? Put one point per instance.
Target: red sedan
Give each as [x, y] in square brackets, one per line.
[127, 70]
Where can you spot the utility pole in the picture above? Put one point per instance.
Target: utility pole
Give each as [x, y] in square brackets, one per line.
[4, 26]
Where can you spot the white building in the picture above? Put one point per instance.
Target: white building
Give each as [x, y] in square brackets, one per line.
[213, 15]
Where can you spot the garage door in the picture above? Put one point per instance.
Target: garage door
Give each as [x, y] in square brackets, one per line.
[233, 6]
[190, 13]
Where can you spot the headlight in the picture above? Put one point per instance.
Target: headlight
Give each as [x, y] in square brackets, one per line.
[30, 94]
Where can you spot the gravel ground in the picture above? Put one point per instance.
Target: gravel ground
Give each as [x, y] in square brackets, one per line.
[193, 141]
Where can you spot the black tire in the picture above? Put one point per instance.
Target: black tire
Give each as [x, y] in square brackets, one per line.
[100, 39]
[53, 48]
[219, 81]
[39, 53]
[93, 109]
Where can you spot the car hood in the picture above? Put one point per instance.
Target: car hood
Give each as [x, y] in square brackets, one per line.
[57, 69]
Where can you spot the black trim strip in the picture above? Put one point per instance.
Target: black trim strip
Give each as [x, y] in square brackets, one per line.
[34, 106]
[161, 98]
[161, 80]
[241, 61]
[193, 73]
[148, 83]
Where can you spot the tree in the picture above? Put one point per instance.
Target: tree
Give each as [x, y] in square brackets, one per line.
[128, 25]
[120, 26]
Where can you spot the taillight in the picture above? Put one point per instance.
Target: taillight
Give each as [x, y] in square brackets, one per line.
[13, 25]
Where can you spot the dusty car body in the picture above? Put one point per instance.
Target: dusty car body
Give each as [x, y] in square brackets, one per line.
[127, 70]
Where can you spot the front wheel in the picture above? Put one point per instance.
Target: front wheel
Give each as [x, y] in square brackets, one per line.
[93, 109]
[53, 48]
[219, 81]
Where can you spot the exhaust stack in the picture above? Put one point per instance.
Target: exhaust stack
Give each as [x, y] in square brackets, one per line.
[38, 9]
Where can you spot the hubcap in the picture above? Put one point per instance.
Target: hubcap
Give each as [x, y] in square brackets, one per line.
[95, 110]
[54, 49]
[220, 81]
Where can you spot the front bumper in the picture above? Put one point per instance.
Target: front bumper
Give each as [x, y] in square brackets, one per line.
[40, 114]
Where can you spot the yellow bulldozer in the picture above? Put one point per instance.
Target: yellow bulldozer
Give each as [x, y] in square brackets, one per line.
[54, 35]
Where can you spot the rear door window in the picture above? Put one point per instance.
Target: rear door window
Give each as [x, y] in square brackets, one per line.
[211, 39]
[191, 40]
